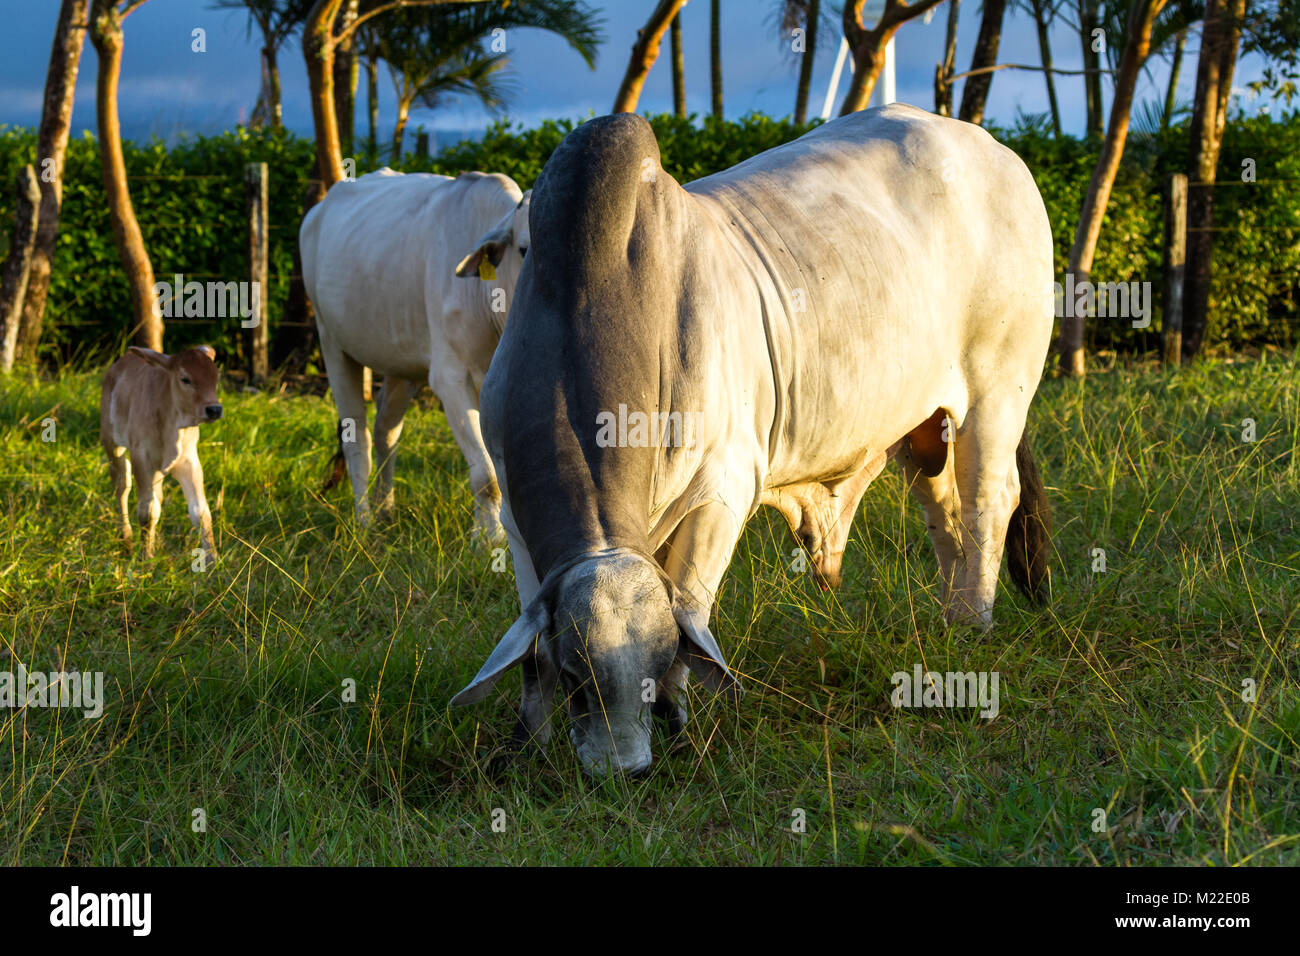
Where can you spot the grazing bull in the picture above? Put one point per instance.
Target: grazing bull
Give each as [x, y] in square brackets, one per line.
[380, 260]
[151, 406]
[879, 288]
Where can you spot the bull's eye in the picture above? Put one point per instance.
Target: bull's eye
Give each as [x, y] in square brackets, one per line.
[185, 381]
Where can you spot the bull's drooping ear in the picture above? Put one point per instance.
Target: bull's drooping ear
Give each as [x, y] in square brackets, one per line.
[700, 651]
[490, 251]
[207, 350]
[150, 356]
[510, 650]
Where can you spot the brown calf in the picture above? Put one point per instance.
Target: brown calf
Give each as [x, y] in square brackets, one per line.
[150, 408]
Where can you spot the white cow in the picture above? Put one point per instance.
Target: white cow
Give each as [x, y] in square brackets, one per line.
[381, 257]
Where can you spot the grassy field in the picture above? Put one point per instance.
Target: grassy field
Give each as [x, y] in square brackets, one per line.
[225, 689]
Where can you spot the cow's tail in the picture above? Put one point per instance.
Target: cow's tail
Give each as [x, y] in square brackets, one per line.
[337, 465]
[1030, 533]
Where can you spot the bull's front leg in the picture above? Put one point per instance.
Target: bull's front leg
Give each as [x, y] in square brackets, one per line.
[820, 515]
[695, 557]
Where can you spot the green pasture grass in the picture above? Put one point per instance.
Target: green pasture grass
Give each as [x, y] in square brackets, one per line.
[1123, 737]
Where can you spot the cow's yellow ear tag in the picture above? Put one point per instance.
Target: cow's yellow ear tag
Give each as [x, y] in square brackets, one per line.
[486, 271]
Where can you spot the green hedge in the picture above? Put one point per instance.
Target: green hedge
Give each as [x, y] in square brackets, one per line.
[190, 203]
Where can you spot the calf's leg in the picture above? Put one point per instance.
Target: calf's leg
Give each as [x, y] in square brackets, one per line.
[120, 471]
[148, 508]
[189, 472]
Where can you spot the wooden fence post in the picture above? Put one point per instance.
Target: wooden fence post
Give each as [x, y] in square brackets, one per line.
[255, 192]
[17, 267]
[1175, 267]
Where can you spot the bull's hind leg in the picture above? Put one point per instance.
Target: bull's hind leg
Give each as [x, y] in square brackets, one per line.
[989, 488]
[390, 407]
[942, 506]
[345, 375]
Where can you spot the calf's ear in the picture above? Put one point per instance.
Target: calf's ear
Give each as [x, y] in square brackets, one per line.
[150, 356]
[700, 651]
[207, 350]
[490, 251]
[510, 650]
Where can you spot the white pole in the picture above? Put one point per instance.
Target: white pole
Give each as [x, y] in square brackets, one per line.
[888, 90]
[835, 78]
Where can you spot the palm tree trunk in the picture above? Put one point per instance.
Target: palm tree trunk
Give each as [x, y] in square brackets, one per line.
[943, 72]
[1142, 16]
[1088, 17]
[806, 62]
[644, 53]
[372, 100]
[679, 67]
[1045, 55]
[975, 92]
[273, 87]
[399, 131]
[1171, 91]
[1220, 39]
[51, 146]
[106, 35]
[715, 55]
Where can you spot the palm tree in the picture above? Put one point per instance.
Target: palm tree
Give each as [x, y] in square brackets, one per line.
[715, 55]
[679, 66]
[801, 15]
[459, 49]
[1044, 12]
[276, 20]
[975, 93]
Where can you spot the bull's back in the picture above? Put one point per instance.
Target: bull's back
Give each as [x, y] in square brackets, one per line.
[905, 261]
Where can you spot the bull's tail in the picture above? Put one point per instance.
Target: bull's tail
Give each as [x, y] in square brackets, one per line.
[337, 466]
[1030, 532]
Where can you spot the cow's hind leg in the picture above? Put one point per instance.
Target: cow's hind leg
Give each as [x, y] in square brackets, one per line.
[345, 375]
[460, 402]
[989, 488]
[390, 407]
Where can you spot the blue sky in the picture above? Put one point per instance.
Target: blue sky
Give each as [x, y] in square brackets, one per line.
[168, 90]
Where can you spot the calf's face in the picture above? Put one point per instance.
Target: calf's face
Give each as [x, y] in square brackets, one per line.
[192, 380]
[605, 631]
